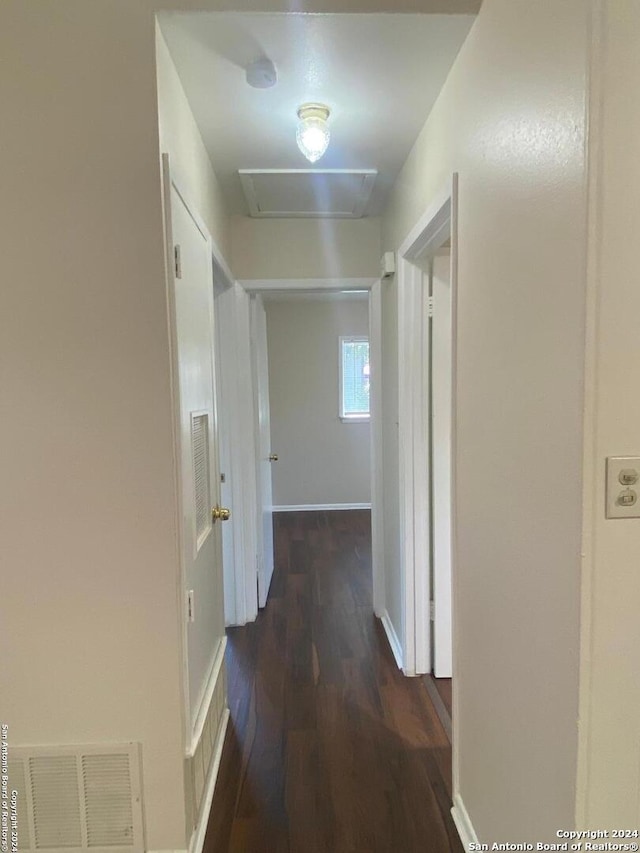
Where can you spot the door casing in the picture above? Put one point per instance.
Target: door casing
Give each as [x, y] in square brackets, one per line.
[262, 444]
[338, 285]
[439, 221]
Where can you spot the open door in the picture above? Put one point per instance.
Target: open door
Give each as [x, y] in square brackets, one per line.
[265, 456]
[441, 434]
[427, 276]
[232, 552]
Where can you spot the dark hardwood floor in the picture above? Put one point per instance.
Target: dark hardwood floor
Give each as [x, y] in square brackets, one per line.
[330, 749]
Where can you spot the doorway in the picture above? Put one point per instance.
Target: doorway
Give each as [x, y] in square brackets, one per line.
[436, 266]
[312, 456]
[427, 270]
[311, 449]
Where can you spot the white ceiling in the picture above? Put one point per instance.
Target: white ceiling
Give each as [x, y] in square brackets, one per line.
[379, 73]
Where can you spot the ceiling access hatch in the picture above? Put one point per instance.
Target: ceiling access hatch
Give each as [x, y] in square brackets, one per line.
[324, 193]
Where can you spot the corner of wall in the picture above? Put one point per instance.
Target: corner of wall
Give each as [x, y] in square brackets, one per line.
[180, 137]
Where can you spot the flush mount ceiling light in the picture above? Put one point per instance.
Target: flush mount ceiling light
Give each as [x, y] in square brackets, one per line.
[313, 133]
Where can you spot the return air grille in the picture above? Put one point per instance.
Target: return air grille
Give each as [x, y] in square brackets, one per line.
[200, 451]
[56, 801]
[78, 798]
[107, 791]
[18, 784]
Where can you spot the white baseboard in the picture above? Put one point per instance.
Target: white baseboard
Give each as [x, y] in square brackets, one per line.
[217, 663]
[197, 839]
[394, 642]
[463, 823]
[319, 507]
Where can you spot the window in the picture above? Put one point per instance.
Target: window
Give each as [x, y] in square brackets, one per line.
[354, 379]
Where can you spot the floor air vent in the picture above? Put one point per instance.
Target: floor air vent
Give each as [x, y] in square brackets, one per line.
[78, 798]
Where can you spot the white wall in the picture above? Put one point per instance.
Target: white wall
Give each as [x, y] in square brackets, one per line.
[510, 120]
[305, 248]
[90, 633]
[181, 139]
[609, 792]
[321, 459]
[89, 626]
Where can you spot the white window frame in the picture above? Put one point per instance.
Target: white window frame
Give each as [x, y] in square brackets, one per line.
[350, 419]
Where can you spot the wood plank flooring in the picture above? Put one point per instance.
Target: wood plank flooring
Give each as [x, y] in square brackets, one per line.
[445, 689]
[330, 749]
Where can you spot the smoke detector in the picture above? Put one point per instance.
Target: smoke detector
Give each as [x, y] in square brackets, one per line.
[262, 74]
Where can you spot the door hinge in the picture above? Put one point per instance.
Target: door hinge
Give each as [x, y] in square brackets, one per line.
[430, 306]
[177, 256]
[432, 611]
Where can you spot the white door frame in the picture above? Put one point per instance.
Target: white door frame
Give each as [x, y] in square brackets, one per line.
[338, 285]
[441, 438]
[377, 484]
[414, 427]
[261, 409]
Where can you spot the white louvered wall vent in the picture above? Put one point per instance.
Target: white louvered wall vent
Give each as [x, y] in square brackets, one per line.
[78, 798]
[201, 483]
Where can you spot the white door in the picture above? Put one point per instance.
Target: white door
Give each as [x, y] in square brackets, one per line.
[265, 455]
[224, 393]
[441, 378]
[193, 334]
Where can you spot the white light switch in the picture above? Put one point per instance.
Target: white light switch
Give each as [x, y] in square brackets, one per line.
[623, 487]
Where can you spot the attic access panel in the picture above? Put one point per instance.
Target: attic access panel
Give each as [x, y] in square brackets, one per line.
[326, 193]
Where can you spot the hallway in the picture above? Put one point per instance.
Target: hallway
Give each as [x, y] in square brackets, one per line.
[330, 749]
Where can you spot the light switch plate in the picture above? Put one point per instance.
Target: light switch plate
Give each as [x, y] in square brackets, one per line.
[623, 487]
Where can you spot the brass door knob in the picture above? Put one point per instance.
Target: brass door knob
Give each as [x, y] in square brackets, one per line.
[273, 457]
[220, 513]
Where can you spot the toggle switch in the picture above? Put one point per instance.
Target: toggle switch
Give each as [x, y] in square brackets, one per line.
[622, 500]
[627, 498]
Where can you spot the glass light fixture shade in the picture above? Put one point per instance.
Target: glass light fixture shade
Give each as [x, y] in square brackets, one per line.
[313, 134]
